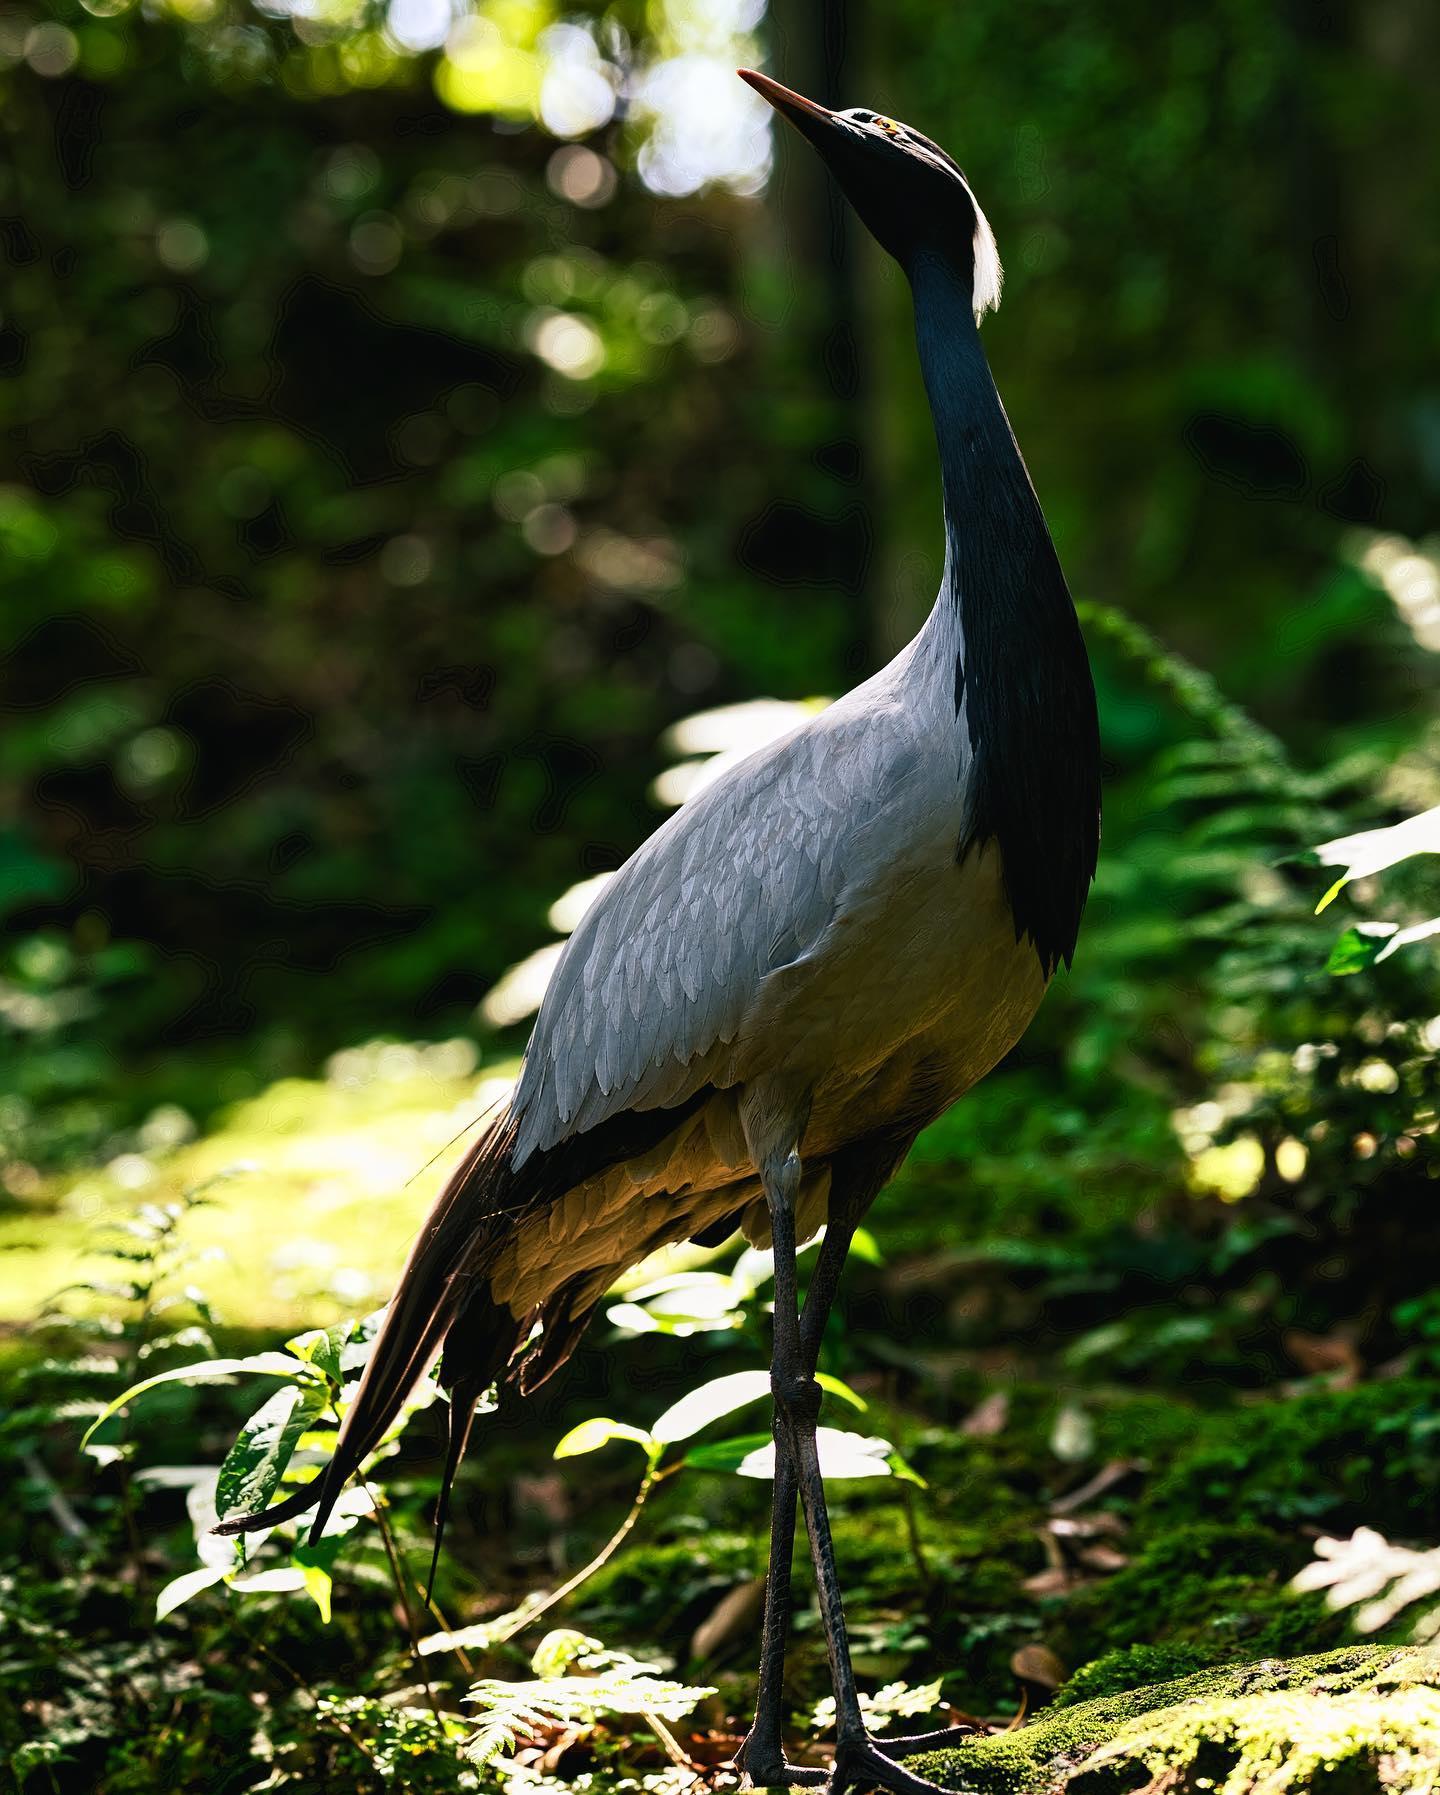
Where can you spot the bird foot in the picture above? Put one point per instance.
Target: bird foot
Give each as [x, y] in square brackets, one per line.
[861, 1764]
[768, 1768]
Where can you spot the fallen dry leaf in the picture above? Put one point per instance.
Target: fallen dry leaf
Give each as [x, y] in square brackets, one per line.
[1056, 1581]
[1038, 1664]
[1105, 1478]
[1319, 1353]
[731, 1616]
[987, 1418]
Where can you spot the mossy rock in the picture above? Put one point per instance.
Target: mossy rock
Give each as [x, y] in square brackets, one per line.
[1349, 1722]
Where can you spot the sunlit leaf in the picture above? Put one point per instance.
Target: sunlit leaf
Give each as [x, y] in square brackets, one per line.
[283, 1580]
[1358, 948]
[589, 1436]
[865, 1247]
[834, 1386]
[1373, 850]
[315, 1564]
[1419, 931]
[180, 1589]
[842, 1456]
[265, 1364]
[722, 1396]
[322, 1347]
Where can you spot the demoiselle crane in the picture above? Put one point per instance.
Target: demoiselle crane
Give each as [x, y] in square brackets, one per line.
[800, 969]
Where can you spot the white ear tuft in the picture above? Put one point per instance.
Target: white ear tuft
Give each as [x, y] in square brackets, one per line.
[985, 294]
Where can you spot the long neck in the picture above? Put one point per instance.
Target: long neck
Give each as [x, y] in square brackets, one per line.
[986, 487]
[1023, 691]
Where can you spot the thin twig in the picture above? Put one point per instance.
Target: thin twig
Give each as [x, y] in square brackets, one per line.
[674, 1750]
[467, 1663]
[912, 1527]
[524, 1616]
[397, 1572]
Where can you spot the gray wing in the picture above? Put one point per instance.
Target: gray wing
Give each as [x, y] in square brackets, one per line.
[658, 977]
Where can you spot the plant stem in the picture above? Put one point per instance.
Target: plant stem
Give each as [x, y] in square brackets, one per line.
[524, 1616]
[528, 1611]
[397, 1572]
[912, 1528]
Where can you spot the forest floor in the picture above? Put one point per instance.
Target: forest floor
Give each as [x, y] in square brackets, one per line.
[1063, 1531]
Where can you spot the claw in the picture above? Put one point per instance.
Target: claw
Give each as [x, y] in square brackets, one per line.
[860, 1764]
[914, 1743]
[764, 1767]
[778, 1774]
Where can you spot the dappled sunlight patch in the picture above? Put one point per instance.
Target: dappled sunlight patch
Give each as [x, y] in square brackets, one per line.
[320, 1186]
[1281, 1727]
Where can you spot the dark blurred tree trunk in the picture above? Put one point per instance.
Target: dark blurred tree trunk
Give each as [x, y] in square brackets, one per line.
[821, 51]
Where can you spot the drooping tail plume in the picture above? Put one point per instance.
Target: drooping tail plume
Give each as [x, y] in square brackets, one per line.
[438, 1284]
[443, 1298]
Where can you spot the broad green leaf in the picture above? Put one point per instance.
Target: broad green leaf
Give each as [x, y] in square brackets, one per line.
[180, 1589]
[865, 1247]
[323, 1347]
[630, 1318]
[318, 1585]
[1358, 948]
[833, 1386]
[589, 1436]
[256, 1462]
[722, 1396]
[281, 1581]
[726, 1394]
[315, 1564]
[683, 1282]
[726, 1455]
[265, 1364]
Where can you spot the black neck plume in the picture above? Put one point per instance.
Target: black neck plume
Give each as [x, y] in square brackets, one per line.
[1022, 678]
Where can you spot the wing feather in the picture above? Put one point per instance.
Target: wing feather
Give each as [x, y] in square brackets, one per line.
[657, 980]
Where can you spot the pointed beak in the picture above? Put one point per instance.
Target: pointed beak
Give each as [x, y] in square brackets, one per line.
[808, 116]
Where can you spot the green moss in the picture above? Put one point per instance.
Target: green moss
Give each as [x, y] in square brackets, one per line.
[1371, 1454]
[1365, 1718]
[1222, 1588]
[1129, 1667]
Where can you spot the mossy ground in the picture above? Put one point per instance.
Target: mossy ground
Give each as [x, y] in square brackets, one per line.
[1137, 1534]
[1338, 1723]
[313, 1191]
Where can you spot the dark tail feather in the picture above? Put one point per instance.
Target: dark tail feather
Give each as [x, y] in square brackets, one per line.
[437, 1279]
[463, 1398]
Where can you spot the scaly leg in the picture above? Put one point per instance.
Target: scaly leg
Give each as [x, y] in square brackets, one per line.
[859, 1761]
[762, 1756]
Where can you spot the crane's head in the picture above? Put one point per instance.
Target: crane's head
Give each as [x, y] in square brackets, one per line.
[911, 196]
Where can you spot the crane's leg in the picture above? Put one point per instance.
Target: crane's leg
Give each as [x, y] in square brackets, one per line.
[859, 1761]
[762, 1756]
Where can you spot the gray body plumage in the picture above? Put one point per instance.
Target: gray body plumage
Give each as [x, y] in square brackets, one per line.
[798, 945]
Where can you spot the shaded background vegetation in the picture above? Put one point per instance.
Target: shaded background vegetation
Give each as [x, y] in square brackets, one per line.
[409, 415]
